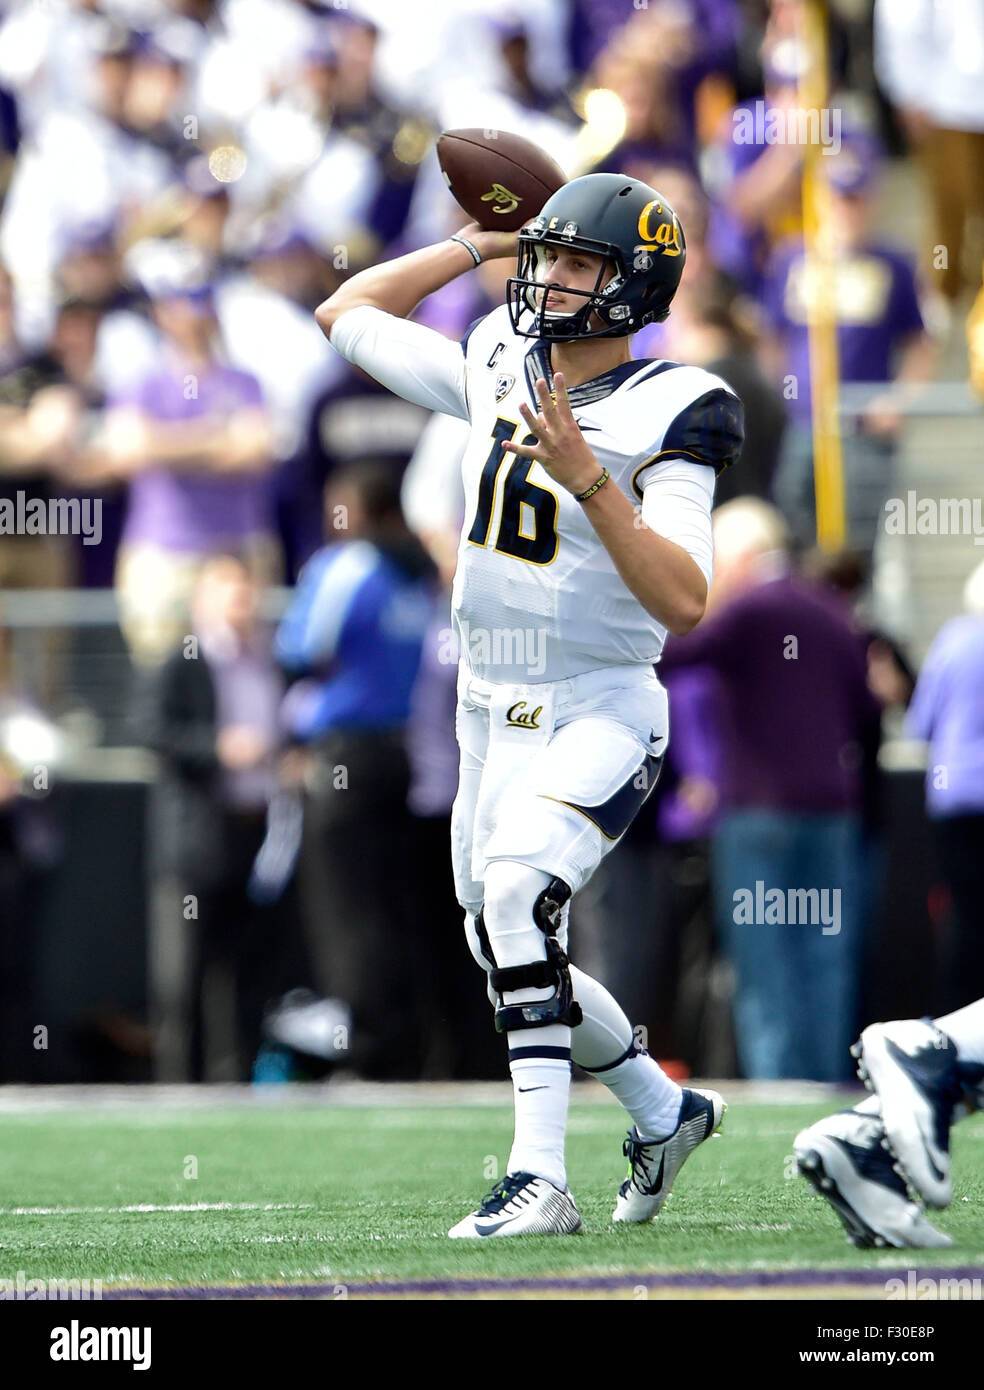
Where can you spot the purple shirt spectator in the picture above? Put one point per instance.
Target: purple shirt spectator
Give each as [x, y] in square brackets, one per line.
[947, 711]
[877, 309]
[195, 512]
[695, 751]
[736, 248]
[797, 718]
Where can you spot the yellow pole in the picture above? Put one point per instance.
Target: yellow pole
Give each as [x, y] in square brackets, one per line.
[819, 271]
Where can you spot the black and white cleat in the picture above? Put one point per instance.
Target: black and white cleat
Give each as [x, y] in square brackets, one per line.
[521, 1205]
[844, 1159]
[912, 1066]
[653, 1165]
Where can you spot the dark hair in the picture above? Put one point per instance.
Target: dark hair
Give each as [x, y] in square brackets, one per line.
[376, 483]
[717, 305]
[844, 570]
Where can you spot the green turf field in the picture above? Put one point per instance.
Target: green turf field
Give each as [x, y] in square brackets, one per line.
[343, 1194]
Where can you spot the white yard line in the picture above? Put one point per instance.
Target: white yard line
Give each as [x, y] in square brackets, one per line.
[154, 1206]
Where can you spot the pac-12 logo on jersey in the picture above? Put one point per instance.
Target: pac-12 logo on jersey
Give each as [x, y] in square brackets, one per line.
[503, 386]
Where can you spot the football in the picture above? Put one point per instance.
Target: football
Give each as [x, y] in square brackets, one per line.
[500, 179]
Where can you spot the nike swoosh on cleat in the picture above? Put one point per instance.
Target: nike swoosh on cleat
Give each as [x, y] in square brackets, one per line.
[491, 1230]
[524, 1089]
[653, 1189]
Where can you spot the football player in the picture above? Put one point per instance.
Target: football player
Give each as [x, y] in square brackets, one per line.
[872, 1161]
[588, 480]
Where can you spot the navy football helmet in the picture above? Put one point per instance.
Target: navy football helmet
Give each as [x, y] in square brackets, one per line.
[631, 226]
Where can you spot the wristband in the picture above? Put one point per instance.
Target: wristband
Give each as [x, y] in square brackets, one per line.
[583, 496]
[463, 241]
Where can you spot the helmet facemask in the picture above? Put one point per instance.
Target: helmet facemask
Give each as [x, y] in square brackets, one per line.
[526, 291]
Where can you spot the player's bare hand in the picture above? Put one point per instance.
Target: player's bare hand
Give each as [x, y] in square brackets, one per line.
[491, 246]
[560, 446]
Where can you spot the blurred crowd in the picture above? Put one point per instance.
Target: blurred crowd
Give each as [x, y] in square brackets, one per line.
[182, 182]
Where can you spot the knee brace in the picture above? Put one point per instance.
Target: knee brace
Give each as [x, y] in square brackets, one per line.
[552, 973]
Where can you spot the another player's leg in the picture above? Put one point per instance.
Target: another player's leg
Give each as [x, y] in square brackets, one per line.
[923, 1073]
[844, 1157]
[530, 981]
[871, 1161]
[669, 1121]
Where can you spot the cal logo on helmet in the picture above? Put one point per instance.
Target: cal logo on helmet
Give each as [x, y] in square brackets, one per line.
[666, 235]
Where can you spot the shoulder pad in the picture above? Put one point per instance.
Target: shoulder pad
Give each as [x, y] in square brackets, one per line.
[711, 430]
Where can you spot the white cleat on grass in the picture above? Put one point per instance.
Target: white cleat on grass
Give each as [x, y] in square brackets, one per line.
[844, 1159]
[654, 1164]
[911, 1065]
[521, 1205]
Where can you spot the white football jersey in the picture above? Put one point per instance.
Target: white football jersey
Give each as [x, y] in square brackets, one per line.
[536, 595]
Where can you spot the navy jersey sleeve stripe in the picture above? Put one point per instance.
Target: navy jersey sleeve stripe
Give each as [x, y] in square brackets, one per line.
[711, 430]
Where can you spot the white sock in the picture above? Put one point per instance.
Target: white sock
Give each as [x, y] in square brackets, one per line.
[539, 1058]
[966, 1027]
[652, 1099]
[647, 1093]
[541, 1092]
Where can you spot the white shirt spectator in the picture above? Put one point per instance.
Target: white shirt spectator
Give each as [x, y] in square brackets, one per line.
[281, 344]
[253, 49]
[417, 63]
[929, 55]
[47, 57]
[331, 202]
[81, 168]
